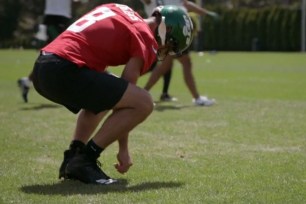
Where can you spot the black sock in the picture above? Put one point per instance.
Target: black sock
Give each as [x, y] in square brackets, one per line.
[167, 79]
[92, 150]
[76, 145]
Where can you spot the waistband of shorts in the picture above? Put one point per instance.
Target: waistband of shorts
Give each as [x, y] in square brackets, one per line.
[48, 57]
[45, 53]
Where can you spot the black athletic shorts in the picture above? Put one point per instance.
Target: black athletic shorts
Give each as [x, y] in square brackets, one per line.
[76, 88]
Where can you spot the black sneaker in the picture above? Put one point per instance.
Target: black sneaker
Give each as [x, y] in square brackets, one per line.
[167, 98]
[68, 155]
[82, 168]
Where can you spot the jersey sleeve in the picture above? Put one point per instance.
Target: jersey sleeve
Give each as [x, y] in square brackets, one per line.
[145, 47]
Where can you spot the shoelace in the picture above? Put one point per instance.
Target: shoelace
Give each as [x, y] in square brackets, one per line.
[98, 163]
[98, 167]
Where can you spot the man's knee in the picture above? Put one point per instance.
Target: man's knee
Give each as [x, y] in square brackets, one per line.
[145, 103]
[138, 99]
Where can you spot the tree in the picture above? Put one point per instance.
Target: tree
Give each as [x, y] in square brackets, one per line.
[9, 14]
[252, 3]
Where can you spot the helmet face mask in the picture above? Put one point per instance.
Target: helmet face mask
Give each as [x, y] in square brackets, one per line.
[175, 30]
[167, 44]
[173, 44]
[163, 51]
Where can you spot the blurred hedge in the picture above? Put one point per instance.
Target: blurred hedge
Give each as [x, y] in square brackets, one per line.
[266, 29]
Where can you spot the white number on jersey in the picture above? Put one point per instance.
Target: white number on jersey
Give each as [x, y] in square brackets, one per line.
[91, 18]
[129, 12]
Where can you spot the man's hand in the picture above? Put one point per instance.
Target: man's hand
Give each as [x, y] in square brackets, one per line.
[124, 162]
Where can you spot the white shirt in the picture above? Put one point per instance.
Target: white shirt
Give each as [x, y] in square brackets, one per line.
[173, 2]
[58, 7]
[149, 7]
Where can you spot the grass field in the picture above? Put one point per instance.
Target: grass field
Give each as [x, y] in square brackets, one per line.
[249, 148]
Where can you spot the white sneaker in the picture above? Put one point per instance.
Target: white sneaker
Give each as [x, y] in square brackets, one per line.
[42, 33]
[204, 101]
[24, 85]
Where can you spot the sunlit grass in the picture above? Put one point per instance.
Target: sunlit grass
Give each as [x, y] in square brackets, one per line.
[249, 148]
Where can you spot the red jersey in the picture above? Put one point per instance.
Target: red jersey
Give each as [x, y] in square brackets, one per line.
[109, 35]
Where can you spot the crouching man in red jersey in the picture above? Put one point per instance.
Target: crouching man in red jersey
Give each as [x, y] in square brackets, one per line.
[71, 71]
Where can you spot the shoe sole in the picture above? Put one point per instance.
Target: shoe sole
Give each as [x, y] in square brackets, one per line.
[77, 175]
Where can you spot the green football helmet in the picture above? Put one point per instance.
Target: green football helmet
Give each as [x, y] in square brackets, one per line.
[175, 30]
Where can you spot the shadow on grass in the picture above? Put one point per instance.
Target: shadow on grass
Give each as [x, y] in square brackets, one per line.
[40, 107]
[161, 106]
[69, 187]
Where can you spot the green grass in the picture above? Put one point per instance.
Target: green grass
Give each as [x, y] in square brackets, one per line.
[249, 148]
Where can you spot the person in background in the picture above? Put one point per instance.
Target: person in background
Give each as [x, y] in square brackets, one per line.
[149, 6]
[71, 71]
[57, 17]
[165, 67]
